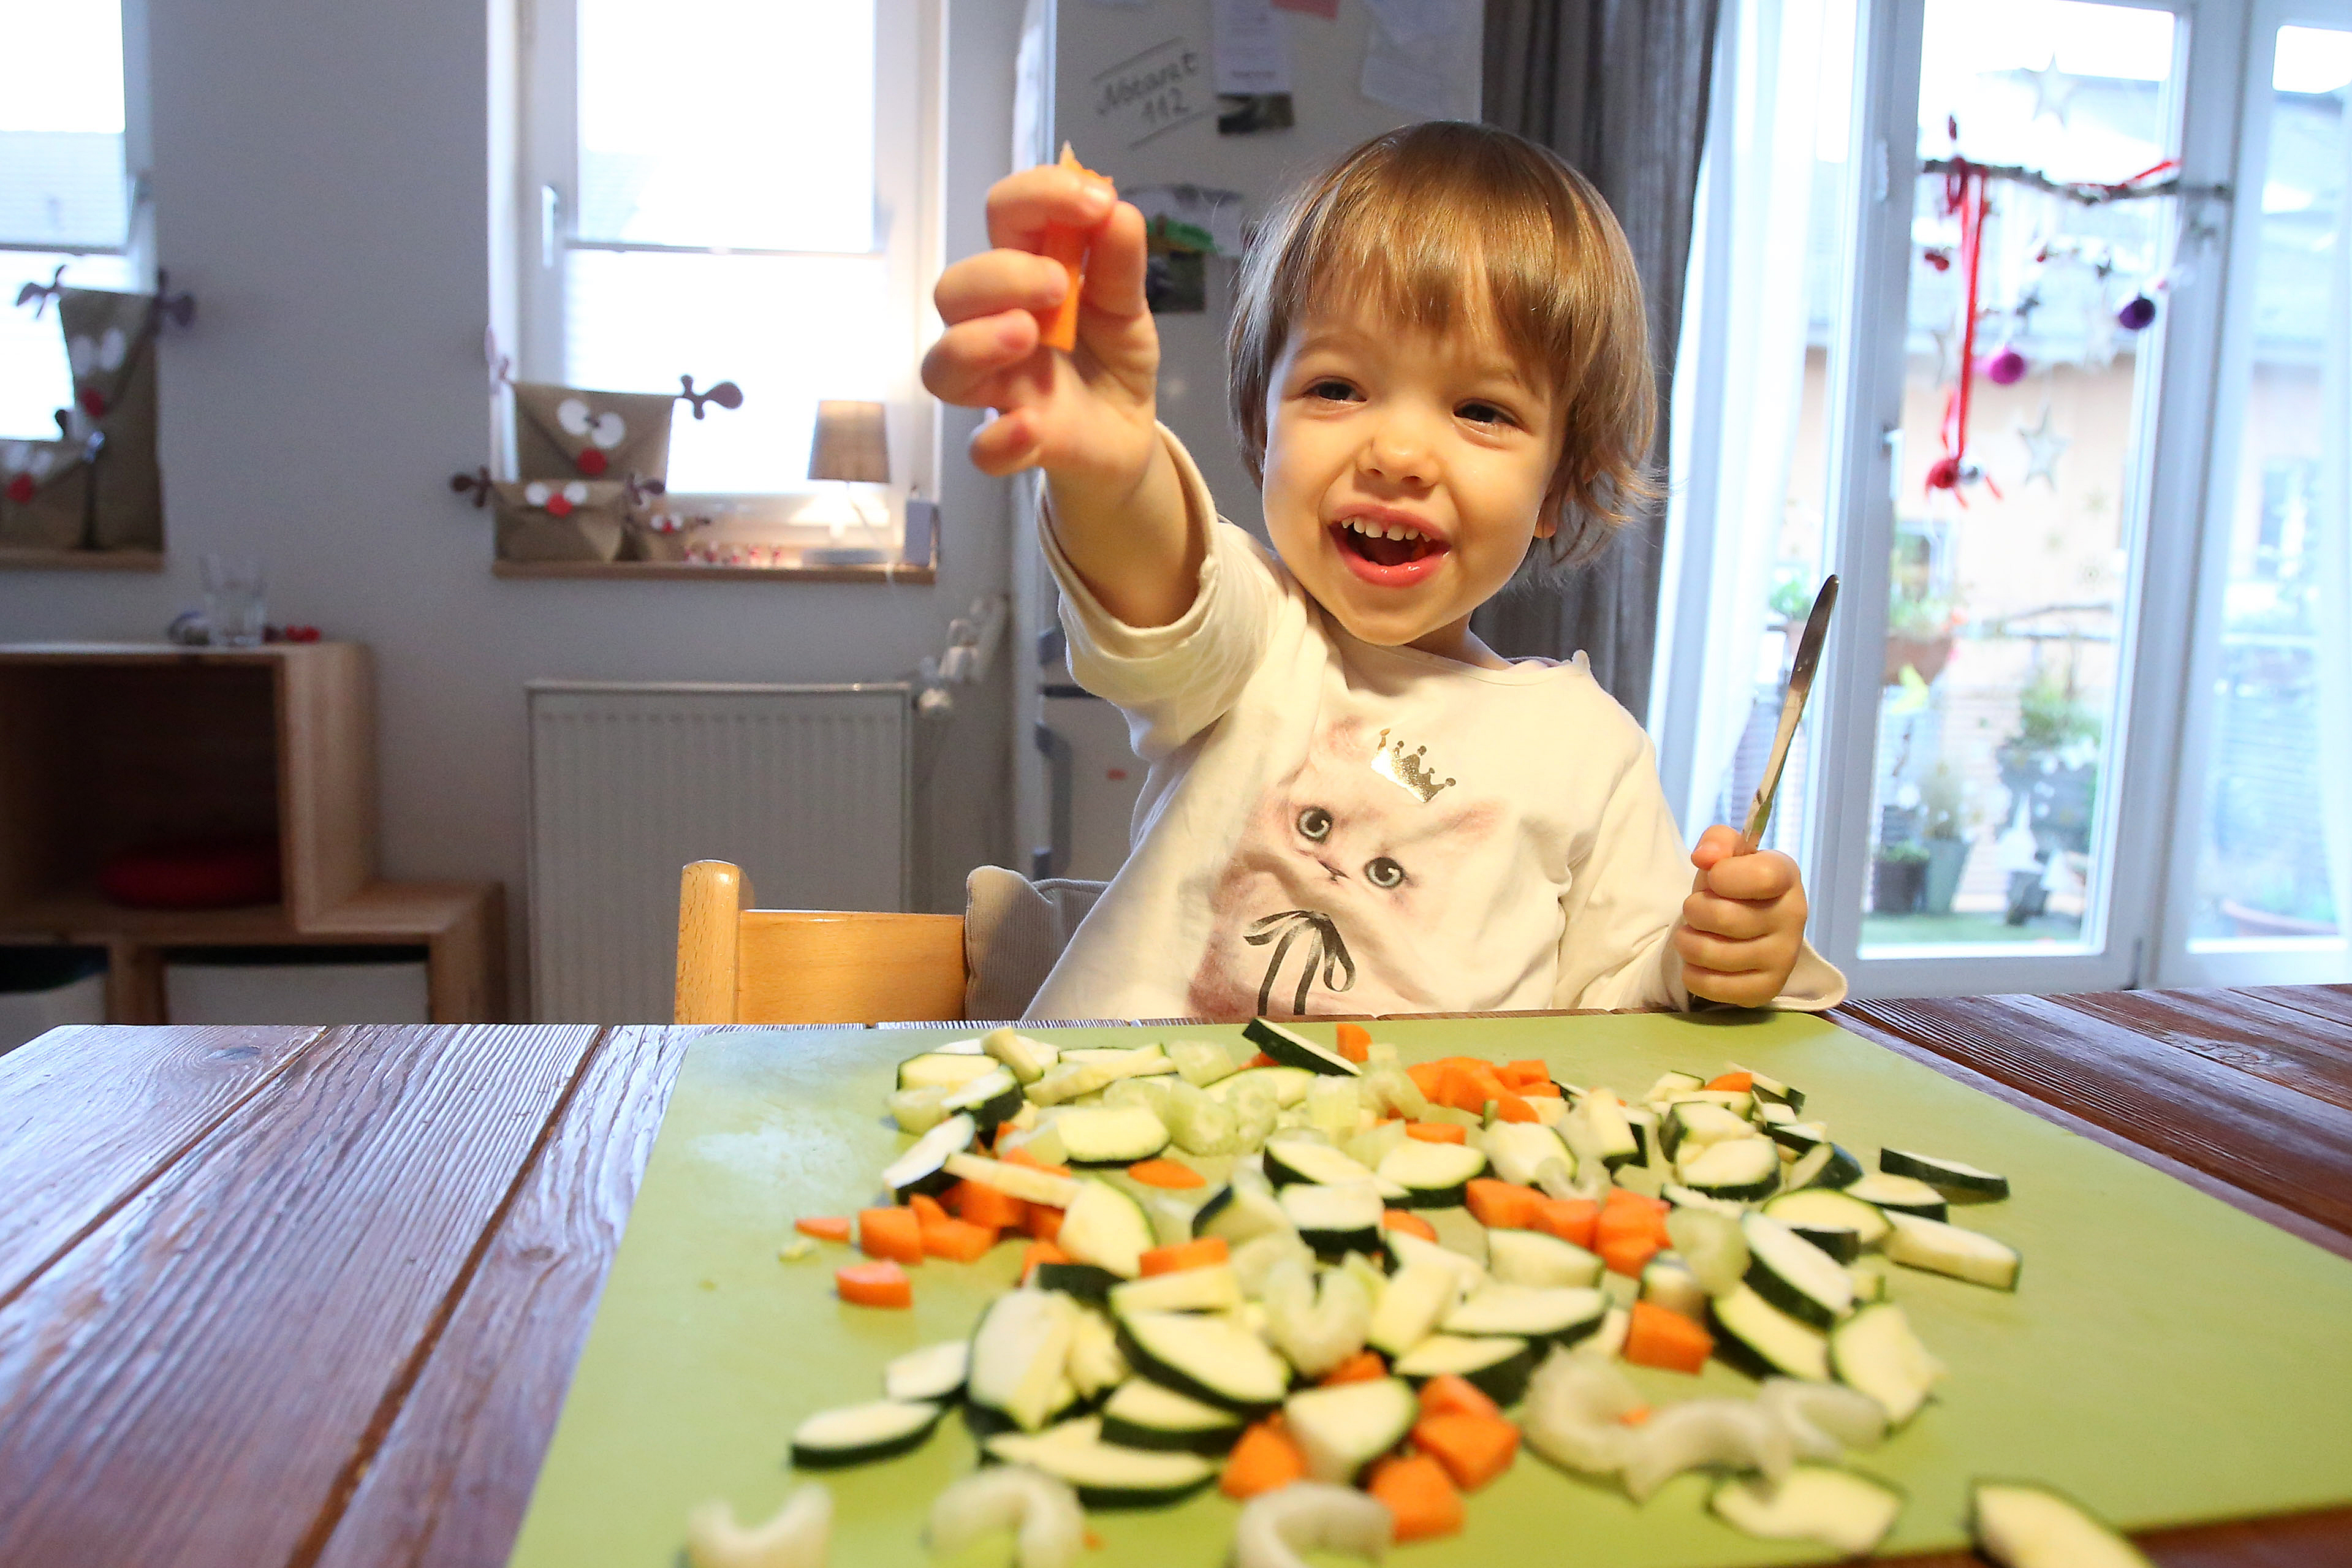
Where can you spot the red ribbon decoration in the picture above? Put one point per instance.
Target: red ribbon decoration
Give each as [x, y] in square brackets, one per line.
[1964, 192]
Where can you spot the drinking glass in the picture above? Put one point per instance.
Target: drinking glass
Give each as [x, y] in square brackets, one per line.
[234, 605]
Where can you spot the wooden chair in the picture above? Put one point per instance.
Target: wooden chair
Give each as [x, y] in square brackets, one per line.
[741, 965]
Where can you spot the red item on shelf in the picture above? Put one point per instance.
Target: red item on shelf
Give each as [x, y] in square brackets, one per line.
[221, 874]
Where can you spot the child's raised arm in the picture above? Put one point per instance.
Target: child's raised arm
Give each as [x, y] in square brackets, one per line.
[1085, 417]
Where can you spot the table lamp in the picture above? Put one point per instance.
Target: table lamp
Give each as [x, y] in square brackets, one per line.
[851, 445]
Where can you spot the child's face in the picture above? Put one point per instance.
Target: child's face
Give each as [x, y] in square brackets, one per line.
[1372, 433]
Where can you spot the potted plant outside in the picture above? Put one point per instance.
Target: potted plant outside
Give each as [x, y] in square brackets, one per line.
[1898, 879]
[1945, 838]
[1920, 630]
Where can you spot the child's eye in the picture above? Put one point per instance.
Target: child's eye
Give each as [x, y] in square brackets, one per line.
[1483, 414]
[1382, 871]
[1315, 823]
[1331, 390]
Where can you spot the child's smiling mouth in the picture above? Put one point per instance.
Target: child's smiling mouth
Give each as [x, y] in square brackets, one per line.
[1389, 553]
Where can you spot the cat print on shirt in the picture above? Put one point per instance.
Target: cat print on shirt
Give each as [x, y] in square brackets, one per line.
[1339, 895]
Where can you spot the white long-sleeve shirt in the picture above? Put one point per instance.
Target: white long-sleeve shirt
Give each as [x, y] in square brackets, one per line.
[1332, 826]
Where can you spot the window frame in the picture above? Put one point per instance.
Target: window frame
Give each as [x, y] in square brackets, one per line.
[2179, 960]
[137, 246]
[542, 206]
[2170, 529]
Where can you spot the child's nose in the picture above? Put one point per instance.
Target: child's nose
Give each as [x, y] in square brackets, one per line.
[1400, 451]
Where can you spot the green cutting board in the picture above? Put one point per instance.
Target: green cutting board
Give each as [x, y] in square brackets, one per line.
[2166, 1358]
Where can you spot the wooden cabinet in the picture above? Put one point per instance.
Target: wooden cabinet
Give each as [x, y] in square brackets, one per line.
[106, 747]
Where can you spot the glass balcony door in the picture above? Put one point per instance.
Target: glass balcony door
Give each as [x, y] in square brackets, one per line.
[2024, 444]
[2261, 851]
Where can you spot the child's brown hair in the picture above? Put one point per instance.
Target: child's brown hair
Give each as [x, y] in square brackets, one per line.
[1408, 223]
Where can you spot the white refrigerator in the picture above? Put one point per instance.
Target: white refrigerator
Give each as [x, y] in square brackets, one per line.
[1133, 89]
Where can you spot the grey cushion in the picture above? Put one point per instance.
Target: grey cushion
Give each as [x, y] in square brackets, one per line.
[1013, 931]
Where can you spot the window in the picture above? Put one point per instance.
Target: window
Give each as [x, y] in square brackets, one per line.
[2266, 891]
[2075, 733]
[71, 146]
[733, 190]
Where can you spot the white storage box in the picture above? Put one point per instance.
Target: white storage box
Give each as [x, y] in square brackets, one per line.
[42, 988]
[296, 986]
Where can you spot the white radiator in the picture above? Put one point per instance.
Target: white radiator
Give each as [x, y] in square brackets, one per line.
[807, 788]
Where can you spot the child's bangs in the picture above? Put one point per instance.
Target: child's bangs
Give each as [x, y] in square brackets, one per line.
[1434, 263]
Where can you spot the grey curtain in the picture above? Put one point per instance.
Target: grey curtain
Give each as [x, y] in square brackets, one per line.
[1619, 88]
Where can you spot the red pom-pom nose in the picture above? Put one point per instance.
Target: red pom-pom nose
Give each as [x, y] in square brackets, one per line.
[559, 505]
[93, 402]
[590, 462]
[20, 489]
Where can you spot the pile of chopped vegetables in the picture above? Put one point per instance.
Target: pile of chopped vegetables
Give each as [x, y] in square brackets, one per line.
[1346, 1292]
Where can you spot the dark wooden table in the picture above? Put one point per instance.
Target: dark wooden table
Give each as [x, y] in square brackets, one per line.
[312, 1296]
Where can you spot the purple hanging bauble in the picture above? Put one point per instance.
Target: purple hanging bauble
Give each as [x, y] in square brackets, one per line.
[2005, 369]
[2137, 313]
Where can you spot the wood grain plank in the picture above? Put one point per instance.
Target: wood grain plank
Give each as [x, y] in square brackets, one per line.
[454, 1475]
[2324, 1002]
[1849, 1018]
[89, 1116]
[2321, 1539]
[2294, 1050]
[2275, 1143]
[186, 1384]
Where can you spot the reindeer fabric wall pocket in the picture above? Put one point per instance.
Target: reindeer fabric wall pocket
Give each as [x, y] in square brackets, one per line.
[44, 494]
[99, 487]
[571, 432]
[561, 519]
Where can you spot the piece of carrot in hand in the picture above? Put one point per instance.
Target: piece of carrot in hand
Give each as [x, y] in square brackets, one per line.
[1266, 1460]
[824, 1227]
[1057, 326]
[1420, 1494]
[1657, 1336]
[883, 1284]
[893, 1233]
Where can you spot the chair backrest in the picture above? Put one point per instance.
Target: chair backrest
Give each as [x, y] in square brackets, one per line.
[741, 965]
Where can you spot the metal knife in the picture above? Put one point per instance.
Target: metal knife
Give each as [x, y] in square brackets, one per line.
[1792, 707]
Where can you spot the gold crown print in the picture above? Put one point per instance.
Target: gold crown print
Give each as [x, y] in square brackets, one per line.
[1392, 762]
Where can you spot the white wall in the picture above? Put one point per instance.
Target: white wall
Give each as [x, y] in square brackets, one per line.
[320, 174]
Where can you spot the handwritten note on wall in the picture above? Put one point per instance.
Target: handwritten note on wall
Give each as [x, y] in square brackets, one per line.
[1147, 95]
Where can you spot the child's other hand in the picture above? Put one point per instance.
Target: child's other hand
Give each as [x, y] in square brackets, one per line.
[1744, 923]
[1085, 417]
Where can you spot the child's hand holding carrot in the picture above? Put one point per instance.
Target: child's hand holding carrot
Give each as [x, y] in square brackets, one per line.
[1086, 417]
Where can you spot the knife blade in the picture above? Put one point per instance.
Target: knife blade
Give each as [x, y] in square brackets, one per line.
[1792, 707]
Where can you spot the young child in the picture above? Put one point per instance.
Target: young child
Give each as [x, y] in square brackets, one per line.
[1440, 368]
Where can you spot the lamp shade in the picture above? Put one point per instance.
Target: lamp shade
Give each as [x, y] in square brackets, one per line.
[850, 444]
